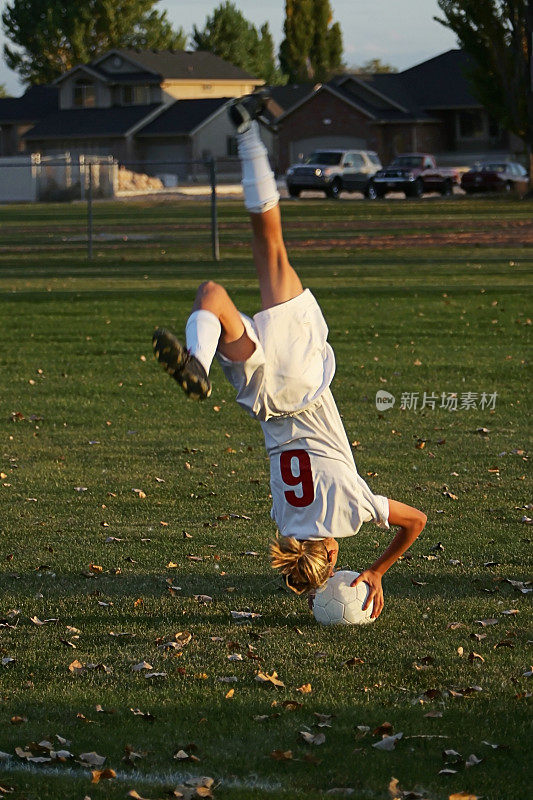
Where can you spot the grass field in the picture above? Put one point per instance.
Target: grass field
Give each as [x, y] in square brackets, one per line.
[114, 489]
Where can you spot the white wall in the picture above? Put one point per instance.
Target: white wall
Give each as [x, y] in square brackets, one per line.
[17, 180]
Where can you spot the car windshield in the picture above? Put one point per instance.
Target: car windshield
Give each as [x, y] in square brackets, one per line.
[407, 161]
[324, 157]
[493, 167]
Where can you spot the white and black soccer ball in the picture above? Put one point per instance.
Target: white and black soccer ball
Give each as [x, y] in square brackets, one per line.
[338, 603]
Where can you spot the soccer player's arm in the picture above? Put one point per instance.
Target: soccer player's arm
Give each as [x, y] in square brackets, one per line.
[411, 522]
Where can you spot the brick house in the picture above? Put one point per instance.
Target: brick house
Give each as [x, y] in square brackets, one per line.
[429, 108]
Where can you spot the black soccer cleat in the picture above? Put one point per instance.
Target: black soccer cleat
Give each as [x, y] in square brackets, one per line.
[244, 110]
[181, 365]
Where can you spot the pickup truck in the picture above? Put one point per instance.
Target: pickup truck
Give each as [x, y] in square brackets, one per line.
[415, 174]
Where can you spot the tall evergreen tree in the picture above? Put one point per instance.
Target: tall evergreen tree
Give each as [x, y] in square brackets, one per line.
[312, 47]
[51, 36]
[497, 35]
[228, 34]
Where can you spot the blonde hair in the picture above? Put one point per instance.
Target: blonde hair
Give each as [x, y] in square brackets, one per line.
[303, 564]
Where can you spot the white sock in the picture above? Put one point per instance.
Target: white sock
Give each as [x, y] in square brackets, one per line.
[202, 333]
[258, 183]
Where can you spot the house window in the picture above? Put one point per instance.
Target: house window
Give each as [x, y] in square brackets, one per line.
[135, 95]
[472, 124]
[84, 94]
[231, 146]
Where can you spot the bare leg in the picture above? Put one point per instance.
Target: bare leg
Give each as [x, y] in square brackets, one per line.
[278, 281]
[234, 342]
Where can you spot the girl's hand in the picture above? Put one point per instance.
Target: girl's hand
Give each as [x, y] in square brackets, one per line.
[375, 595]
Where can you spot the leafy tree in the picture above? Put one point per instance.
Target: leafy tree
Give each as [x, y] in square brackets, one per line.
[51, 36]
[374, 66]
[312, 47]
[228, 34]
[497, 35]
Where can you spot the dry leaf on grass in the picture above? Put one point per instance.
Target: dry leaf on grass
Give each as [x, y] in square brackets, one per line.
[464, 796]
[281, 755]
[310, 738]
[265, 678]
[92, 759]
[103, 775]
[388, 743]
[305, 688]
[141, 665]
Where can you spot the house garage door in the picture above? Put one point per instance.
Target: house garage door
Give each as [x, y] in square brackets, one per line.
[302, 147]
[170, 155]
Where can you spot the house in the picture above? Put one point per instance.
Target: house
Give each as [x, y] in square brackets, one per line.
[112, 105]
[429, 107]
[19, 114]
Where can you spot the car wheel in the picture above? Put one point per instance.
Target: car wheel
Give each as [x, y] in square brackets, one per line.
[416, 190]
[334, 190]
[447, 189]
[371, 193]
[294, 192]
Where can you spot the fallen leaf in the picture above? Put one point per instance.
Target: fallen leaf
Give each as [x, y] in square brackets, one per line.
[388, 743]
[92, 759]
[262, 677]
[229, 694]
[353, 662]
[310, 738]
[281, 755]
[464, 796]
[486, 622]
[305, 688]
[141, 665]
[472, 760]
[475, 657]
[385, 729]
[103, 775]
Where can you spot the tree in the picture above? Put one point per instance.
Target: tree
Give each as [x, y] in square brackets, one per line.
[51, 36]
[374, 66]
[3, 91]
[228, 34]
[312, 47]
[497, 35]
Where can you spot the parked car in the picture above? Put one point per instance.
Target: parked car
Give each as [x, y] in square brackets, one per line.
[414, 174]
[333, 172]
[494, 176]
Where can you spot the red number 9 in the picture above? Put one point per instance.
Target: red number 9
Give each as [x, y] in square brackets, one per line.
[303, 478]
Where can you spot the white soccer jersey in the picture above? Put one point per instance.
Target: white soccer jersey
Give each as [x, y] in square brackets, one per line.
[316, 489]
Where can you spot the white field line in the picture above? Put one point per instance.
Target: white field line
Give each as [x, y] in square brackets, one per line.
[149, 778]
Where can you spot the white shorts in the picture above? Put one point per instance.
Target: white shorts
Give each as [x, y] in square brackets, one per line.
[292, 363]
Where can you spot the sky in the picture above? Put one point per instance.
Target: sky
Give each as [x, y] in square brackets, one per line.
[399, 32]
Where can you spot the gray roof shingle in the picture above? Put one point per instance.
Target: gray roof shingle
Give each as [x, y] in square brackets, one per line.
[35, 103]
[83, 123]
[182, 117]
[183, 64]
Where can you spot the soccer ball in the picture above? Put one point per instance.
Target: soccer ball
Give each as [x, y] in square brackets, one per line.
[338, 603]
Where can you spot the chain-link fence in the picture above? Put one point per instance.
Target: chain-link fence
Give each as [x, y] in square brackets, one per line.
[106, 204]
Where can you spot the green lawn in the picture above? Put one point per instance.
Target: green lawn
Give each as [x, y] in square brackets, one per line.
[429, 296]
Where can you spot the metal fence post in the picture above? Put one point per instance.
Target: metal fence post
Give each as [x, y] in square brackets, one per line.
[90, 214]
[214, 211]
